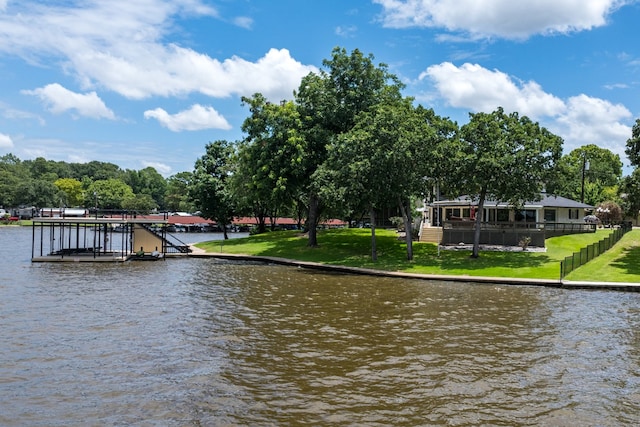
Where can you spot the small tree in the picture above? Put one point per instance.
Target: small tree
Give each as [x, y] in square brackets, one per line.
[608, 212]
[209, 187]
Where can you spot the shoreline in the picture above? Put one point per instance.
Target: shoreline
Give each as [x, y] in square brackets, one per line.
[551, 283]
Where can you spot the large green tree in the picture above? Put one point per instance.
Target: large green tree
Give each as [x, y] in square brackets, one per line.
[176, 195]
[589, 173]
[209, 188]
[382, 161]
[270, 168]
[504, 157]
[108, 194]
[329, 103]
[12, 173]
[39, 193]
[72, 191]
[147, 182]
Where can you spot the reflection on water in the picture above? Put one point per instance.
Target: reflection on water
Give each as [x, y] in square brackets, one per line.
[206, 342]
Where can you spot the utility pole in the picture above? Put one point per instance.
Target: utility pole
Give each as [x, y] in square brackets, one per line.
[585, 167]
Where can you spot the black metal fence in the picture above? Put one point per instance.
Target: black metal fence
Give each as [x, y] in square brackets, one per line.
[590, 252]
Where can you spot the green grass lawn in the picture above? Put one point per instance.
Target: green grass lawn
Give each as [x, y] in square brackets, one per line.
[621, 263]
[352, 247]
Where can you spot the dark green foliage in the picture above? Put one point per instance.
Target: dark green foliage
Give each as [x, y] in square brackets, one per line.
[329, 105]
[108, 194]
[504, 157]
[209, 188]
[269, 172]
[590, 173]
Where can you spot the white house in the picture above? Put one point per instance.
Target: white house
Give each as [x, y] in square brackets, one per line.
[503, 224]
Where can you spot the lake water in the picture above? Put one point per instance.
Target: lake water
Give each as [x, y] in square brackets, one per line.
[202, 342]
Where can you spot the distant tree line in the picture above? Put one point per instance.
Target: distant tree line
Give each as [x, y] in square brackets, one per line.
[348, 145]
[46, 183]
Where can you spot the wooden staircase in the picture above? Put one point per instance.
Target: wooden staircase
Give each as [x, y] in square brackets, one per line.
[431, 234]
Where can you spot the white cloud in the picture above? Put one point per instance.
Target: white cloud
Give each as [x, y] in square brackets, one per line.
[617, 86]
[59, 100]
[5, 141]
[479, 89]
[118, 45]
[243, 22]
[579, 120]
[161, 168]
[10, 113]
[198, 117]
[589, 120]
[501, 18]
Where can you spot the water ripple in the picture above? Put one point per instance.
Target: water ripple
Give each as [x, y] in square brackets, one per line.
[205, 342]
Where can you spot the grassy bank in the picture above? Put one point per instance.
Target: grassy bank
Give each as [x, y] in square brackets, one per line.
[621, 263]
[352, 247]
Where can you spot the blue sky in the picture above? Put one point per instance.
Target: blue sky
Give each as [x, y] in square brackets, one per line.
[150, 82]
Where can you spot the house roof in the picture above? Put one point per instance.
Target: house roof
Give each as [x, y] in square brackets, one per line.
[546, 201]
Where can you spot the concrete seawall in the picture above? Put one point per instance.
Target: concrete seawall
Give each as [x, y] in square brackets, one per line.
[615, 286]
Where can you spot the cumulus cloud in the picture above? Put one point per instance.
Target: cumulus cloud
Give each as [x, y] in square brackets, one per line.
[579, 119]
[479, 89]
[118, 45]
[589, 120]
[197, 117]
[5, 141]
[499, 18]
[59, 100]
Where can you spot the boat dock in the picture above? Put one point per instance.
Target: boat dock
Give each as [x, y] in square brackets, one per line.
[103, 238]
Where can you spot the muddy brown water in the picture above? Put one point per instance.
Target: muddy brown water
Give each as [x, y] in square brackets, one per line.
[188, 342]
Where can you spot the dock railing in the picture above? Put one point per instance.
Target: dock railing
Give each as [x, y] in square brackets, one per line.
[592, 251]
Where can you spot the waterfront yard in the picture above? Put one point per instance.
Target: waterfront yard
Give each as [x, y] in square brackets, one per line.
[352, 247]
[621, 263]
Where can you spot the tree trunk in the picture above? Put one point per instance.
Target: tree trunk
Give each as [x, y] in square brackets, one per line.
[312, 220]
[224, 231]
[408, 228]
[374, 249]
[262, 227]
[479, 218]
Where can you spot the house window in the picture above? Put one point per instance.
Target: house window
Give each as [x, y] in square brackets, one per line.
[502, 215]
[527, 215]
[573, 214]
[453, 213]
[550, 215]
